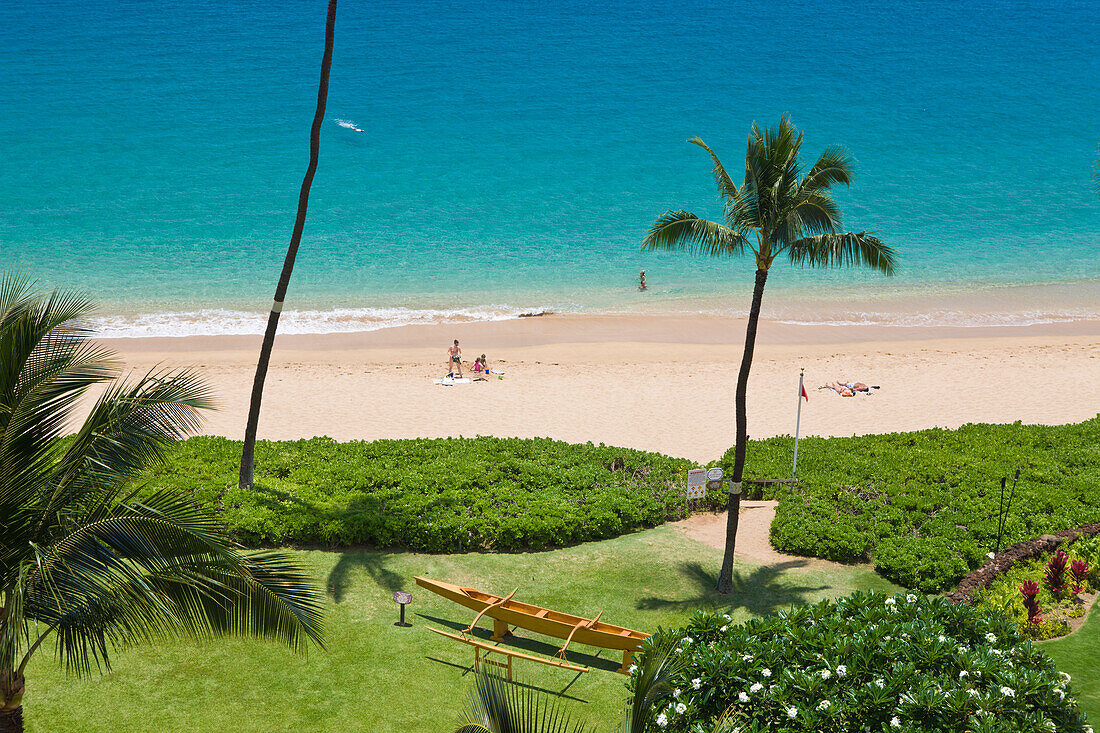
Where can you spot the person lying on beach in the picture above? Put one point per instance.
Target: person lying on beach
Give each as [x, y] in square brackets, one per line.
[847, 389]
[455, 360]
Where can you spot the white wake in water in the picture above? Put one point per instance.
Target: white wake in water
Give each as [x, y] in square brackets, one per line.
[348, 124]
[222, 322]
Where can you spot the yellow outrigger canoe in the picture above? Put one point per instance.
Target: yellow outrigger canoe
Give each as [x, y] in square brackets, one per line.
[507, 612]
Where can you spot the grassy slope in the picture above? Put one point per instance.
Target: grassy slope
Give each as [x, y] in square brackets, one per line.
[1079, 655]
[375, 676]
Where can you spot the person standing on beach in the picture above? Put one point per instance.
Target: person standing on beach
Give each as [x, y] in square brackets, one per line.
[456, 359]
[641, 281]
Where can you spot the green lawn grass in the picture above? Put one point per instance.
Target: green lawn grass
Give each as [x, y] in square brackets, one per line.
[375, 676]
[1079, 655]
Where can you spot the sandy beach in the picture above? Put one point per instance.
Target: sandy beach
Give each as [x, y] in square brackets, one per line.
[655, 383]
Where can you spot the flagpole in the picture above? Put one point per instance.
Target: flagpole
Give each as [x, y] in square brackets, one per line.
[797, 422]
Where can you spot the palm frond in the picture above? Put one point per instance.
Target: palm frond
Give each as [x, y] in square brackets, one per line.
[682, 230]
[727, 189]
[658, 666]
[498, 706]
[832, 168]
[843, 250]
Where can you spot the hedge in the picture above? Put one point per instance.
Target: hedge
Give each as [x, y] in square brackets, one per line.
[443, 495]
[923, 505]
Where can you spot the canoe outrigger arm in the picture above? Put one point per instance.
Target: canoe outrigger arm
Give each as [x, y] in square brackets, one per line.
[498, 633]
[582, 624]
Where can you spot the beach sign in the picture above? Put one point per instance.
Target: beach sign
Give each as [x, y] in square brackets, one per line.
[714, 478]
[697, 483]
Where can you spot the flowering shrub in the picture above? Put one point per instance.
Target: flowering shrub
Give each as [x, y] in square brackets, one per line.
[867, 662]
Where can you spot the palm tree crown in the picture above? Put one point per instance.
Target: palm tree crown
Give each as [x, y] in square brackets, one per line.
[776, 210]
[84, 556]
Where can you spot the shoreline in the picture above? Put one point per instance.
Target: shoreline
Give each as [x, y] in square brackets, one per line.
[661, 384]
[563, 328]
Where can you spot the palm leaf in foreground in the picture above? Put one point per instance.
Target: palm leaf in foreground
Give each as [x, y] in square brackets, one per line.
[87, 559]
[499, 706]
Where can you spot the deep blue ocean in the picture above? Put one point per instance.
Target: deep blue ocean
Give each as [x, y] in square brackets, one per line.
[514, 154]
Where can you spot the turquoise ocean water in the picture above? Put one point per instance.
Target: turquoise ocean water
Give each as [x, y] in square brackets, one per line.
[513, 155]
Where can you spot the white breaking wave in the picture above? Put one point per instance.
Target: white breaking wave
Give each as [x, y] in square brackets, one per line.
[222, 322]
[955, 319]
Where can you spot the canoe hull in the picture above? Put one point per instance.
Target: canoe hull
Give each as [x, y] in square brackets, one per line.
[538, 619]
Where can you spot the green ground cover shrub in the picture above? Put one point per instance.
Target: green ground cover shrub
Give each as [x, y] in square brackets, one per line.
[923, 505]
[868, 662]
[445, 495]
[1003, 594]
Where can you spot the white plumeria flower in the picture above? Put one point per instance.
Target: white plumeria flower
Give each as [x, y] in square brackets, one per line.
[825, 674]
[792, 712]
[890, 601]
[1050, 725]
[742, 696]
[756, 687]
[633, 668]
[894, 722]
[662, 720]
[991, 638]
[1008, 691]
[688, 640]
[726, 616]
[723, 628]
[696, 683]
[766, 672]
[1065, 677]
[746, 657]
[676, 692]
[972, 692]
[941, 638]
[963, 674]
[823, 705]
[1060, 693]
[911, 598]
[880, 683]
[841, 671]
[681, 708]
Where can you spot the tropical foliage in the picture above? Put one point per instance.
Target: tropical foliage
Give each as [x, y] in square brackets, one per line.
[868, 662]
[1052, 609]
[85, 563]
[924, 505]
[775, 212]
[445, 495]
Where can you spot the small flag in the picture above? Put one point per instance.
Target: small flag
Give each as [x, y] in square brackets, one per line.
[804, 395]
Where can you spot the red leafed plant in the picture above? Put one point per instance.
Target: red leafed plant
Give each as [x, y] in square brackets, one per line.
[1029, 590]
[1079, 569]
[1056, 573]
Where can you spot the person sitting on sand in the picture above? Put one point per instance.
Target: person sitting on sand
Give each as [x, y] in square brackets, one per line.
[455, 362]
[479, 368]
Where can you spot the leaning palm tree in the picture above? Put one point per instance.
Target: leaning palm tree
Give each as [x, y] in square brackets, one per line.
[88, 561]
[248, 451]
[775, 211]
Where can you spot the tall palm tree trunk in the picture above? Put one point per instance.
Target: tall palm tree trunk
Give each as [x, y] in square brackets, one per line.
[725, 576]
[248, 453]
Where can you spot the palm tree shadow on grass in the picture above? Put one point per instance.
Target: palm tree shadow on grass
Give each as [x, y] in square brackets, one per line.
[758, 592]
[374, 563]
